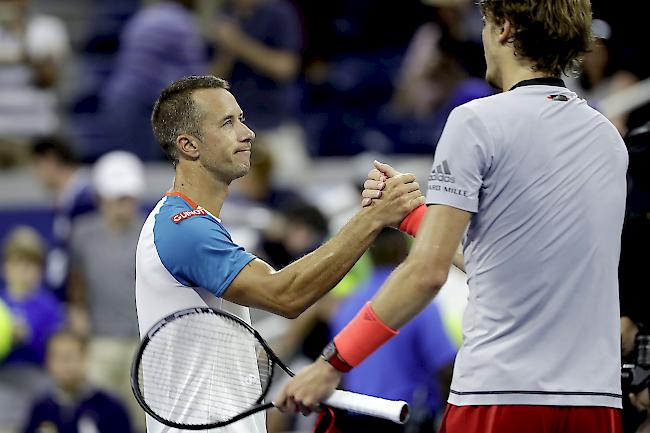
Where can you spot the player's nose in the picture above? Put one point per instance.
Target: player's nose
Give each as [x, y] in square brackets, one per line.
[247, 134]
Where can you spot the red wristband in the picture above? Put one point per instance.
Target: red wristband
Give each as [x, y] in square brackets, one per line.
[362, 336]
[411, 223]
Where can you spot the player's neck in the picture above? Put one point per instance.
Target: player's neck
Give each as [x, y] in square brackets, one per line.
[203, 189]
[518, 73]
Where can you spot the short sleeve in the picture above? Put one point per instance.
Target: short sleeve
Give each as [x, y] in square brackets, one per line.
[461, 162]
[198, 252]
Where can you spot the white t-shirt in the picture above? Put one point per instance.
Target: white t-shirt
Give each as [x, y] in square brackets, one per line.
[544, 175]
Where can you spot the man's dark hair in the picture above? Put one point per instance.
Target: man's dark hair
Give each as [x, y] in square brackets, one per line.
[553, 34]
[57, 147]
[175, 112]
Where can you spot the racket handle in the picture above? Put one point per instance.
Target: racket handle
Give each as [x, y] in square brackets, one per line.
[396, 411]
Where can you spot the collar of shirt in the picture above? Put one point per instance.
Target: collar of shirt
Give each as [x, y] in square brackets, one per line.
[542, 81]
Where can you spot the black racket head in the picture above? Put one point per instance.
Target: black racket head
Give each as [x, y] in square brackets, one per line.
[202, 368]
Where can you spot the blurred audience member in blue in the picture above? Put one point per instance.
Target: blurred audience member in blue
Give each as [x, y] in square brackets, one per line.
[36, 315]
[415, 367]
[57, 167]
[259, 44]
[159, 44]
[74, 406]
[102, 283]
[33, 48]
[443, 67]
[36, 312]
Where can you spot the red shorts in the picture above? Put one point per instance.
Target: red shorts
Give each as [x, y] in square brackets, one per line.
[530, 419]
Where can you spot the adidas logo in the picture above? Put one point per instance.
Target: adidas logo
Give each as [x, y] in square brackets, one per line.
[442, 173]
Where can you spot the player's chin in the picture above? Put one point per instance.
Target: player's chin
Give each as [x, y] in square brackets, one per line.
[242, 169]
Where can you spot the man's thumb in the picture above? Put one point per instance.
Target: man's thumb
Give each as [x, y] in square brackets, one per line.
[385, 168]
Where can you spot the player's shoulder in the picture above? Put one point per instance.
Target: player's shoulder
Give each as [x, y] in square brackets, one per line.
[178, 220]
[485, 106]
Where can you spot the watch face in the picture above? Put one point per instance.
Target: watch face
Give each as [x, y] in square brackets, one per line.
[329, 351]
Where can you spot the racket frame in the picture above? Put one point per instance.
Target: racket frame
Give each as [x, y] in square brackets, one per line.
[258, 407]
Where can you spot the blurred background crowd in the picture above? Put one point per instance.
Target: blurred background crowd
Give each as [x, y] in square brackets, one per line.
[327, 87]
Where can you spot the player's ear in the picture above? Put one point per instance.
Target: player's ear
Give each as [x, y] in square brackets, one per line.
[506, 32]
[187, 146]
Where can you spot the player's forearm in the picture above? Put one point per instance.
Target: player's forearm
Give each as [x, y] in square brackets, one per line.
[408, 290]
[306, 280]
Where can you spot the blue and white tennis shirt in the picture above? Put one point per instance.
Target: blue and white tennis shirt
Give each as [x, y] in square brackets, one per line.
[544, 176]
[186, 258]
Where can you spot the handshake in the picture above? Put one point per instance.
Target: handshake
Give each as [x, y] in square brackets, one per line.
[390, 195]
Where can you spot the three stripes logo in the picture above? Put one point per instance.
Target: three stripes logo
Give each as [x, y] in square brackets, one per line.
[442, 173]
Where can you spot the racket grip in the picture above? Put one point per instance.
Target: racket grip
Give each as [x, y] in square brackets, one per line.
[396, 411]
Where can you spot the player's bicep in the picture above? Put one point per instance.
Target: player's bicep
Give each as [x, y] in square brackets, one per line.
[256, 286]
[438, 237]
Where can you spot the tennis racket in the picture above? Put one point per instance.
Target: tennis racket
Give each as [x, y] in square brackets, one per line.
[202, 368]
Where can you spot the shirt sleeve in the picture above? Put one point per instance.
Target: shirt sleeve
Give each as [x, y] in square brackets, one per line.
[461, 162]
[198, 252]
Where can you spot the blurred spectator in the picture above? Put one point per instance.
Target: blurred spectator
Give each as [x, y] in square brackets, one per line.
[102, 284]
[438, 73]
[258, 50]
[641, 402]
[36, 312]
[74, 406]
[635, 297]
[159, 44]
[634, 293]
[33, 48]
[258, 187]
[599, 77]
[419, 361]
[302, 229]
[256, 201]
[36, 315]
[56, 166]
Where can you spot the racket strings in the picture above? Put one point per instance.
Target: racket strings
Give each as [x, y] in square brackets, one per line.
[203, 368]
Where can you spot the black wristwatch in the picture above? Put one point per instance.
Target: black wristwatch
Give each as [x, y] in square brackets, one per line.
[331, 355]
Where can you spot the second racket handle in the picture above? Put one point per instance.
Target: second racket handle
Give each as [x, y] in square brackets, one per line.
[396, 411]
